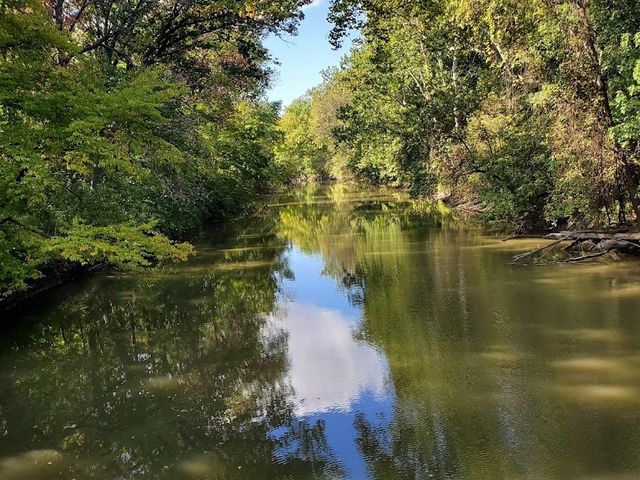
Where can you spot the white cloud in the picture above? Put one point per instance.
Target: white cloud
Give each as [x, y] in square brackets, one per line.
[329, 369]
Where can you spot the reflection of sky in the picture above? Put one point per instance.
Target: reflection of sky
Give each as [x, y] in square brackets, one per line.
[329, 370]
[334, 375]
[310, 287]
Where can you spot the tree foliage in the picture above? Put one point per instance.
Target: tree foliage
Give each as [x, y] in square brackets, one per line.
[125, 124]
[309, 147]
[530, 107]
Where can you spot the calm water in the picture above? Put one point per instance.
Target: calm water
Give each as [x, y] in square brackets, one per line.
[336, 335]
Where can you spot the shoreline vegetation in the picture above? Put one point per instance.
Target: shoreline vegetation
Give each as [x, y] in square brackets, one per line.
[529, 110]
[126, 125]
[525, 113]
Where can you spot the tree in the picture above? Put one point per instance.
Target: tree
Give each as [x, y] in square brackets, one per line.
[298, 156]
[126, 124]
[559, 74]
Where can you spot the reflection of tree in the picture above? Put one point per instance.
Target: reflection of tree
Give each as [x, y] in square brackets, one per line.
[175, 375]
[307, 444]
[167, 374]
[464, 335]
[469, 362]
[345, 224]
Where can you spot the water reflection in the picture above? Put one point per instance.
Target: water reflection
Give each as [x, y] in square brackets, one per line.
[321, 344]
[339, 334]
[159, 376]
[334, 375]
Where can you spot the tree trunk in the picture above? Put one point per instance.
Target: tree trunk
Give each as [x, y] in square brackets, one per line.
[58, 13]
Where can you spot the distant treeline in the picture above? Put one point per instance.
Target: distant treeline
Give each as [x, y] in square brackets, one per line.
[126, 123]
[531, 107]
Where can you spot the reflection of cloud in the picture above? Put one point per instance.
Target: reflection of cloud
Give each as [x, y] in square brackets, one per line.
[315, 3]
[329, 368]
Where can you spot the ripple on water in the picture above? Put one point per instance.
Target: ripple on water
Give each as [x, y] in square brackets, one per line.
[588, 334]
[501, 358]
[622, 291]
[596, 369]
[164, 384]
[32, 465]
[598, 395]
[231, 266]
[202, 467]
[590, 364]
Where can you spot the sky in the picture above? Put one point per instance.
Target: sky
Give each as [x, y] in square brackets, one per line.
[304, 56]
[322, 339]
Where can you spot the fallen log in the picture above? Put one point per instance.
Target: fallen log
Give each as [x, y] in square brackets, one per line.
[619, 245]
[521, 237]
[601, 243]
[584, 258]
[580, 236]
[595, 236]
[522, 256]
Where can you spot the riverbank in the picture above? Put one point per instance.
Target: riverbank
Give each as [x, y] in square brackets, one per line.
[58, 273]
[580, 246]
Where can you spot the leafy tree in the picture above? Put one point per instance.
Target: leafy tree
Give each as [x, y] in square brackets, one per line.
[298, 156]
[126, 124]
[527, 106]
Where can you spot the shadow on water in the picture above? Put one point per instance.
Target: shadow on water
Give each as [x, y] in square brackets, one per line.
[338, 334]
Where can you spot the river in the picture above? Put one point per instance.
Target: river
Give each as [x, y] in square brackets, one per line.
[336, 334]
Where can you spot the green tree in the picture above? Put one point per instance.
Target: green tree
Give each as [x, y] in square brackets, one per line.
[560, 76]
[125, 125]
[298, 156]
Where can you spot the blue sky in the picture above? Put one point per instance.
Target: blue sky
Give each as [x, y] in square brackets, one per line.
[304, 56]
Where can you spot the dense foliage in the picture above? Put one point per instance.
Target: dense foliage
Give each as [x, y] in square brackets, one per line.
[528, 107]
[123, 124]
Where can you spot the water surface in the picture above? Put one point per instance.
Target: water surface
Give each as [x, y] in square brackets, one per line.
[337, 334]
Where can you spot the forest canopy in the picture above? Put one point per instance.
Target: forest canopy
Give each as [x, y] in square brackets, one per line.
[529, 108]
[125, 124]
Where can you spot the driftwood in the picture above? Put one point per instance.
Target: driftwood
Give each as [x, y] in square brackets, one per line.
[524, 255]
[595, 236]
[473, 208]
[599, 244]
[584, 258]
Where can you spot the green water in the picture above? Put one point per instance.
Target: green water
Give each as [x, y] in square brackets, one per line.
[335, 335]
